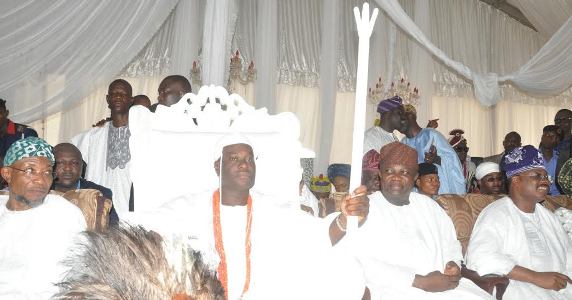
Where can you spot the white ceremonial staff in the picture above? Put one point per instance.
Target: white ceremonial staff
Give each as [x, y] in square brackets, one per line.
[364, 29]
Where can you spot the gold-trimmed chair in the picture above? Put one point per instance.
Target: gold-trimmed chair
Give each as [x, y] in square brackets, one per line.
[93, 205]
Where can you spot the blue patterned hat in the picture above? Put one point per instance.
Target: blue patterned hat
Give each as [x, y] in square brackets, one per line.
[522, 159]
[389, 104]
[28, 147]
[335, 170]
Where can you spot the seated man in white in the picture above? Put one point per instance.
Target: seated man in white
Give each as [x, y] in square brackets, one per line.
[36, 229]
[260, 250]
[517, 237]
[408, 247]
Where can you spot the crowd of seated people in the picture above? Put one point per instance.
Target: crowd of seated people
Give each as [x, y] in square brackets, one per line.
[404, 247]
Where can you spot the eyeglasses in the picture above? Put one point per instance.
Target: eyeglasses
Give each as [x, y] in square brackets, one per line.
[30, 173]
[538, 177]
[556, 121]
[462, 149]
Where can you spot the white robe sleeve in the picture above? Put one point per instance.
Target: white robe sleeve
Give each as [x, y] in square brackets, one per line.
[485, 251]
[81, 141]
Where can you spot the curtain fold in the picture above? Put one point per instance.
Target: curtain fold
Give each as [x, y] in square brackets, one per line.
[546, 16]
[328, 81]
[53, 54]
[487, 91]
[219, 26]
[266, 54]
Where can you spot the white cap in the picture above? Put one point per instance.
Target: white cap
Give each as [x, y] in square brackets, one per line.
[230, 139]
[486, 168]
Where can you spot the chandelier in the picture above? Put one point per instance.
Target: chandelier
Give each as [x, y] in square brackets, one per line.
[401, 88]
[236, 74]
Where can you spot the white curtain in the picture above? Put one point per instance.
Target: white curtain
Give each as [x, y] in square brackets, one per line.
[546, 16]
[54, 53]
[219, 23]
[553, 61]
[266, 54]
[485, 39]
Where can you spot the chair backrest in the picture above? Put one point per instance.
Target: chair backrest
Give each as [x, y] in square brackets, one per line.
[464, 210]
[554, 202]
[172, 150]
[93, 205]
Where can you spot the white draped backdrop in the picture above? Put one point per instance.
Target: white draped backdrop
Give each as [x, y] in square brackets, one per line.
[57, 58]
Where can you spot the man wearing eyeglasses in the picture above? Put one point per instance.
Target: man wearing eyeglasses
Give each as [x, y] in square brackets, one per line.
[519, 238]
[36, 229]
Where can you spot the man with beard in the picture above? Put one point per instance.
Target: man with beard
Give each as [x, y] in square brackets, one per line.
[519, 238]
[489, 179]
[432, 147]
[67, 171]
[392, 118]
[172, 88]
[36, 229]
[106, 149]
[408, 248]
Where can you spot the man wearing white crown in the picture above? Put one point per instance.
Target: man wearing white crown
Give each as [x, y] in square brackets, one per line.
[260, 250]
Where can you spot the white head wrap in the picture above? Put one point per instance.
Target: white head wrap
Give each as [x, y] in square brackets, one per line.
[230, 139]
[486, 168]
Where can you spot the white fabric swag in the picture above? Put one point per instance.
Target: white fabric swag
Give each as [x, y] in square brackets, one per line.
[54, 53]
[548, 73]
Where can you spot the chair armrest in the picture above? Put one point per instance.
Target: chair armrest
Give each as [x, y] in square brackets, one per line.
[487, 282]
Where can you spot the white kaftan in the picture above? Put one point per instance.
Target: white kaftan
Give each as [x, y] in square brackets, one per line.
[93, 147]
[398, 242]
[291, 253]
[376, 137]
[33, 242]
[504, 237]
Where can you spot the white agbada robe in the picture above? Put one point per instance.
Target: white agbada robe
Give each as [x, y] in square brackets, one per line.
[398, 242]
[33, 243]
[93, 147]
[376, 137]
[504, 237]
[291, 253]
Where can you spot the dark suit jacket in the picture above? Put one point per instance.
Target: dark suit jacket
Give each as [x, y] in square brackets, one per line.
[107, 193]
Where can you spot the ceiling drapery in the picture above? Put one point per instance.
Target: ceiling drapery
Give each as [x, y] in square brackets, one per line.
[548, 73]
[53, 53]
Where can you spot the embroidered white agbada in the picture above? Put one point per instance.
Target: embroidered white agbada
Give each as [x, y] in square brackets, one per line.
[376, 137]
[398, 242]
[33, 243]
[93, 147]
[291, 253]
[504, 237]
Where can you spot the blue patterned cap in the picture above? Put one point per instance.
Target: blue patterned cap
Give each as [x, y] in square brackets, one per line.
[335, 170]
[522, 159]
[389, 104]
[28, 147]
